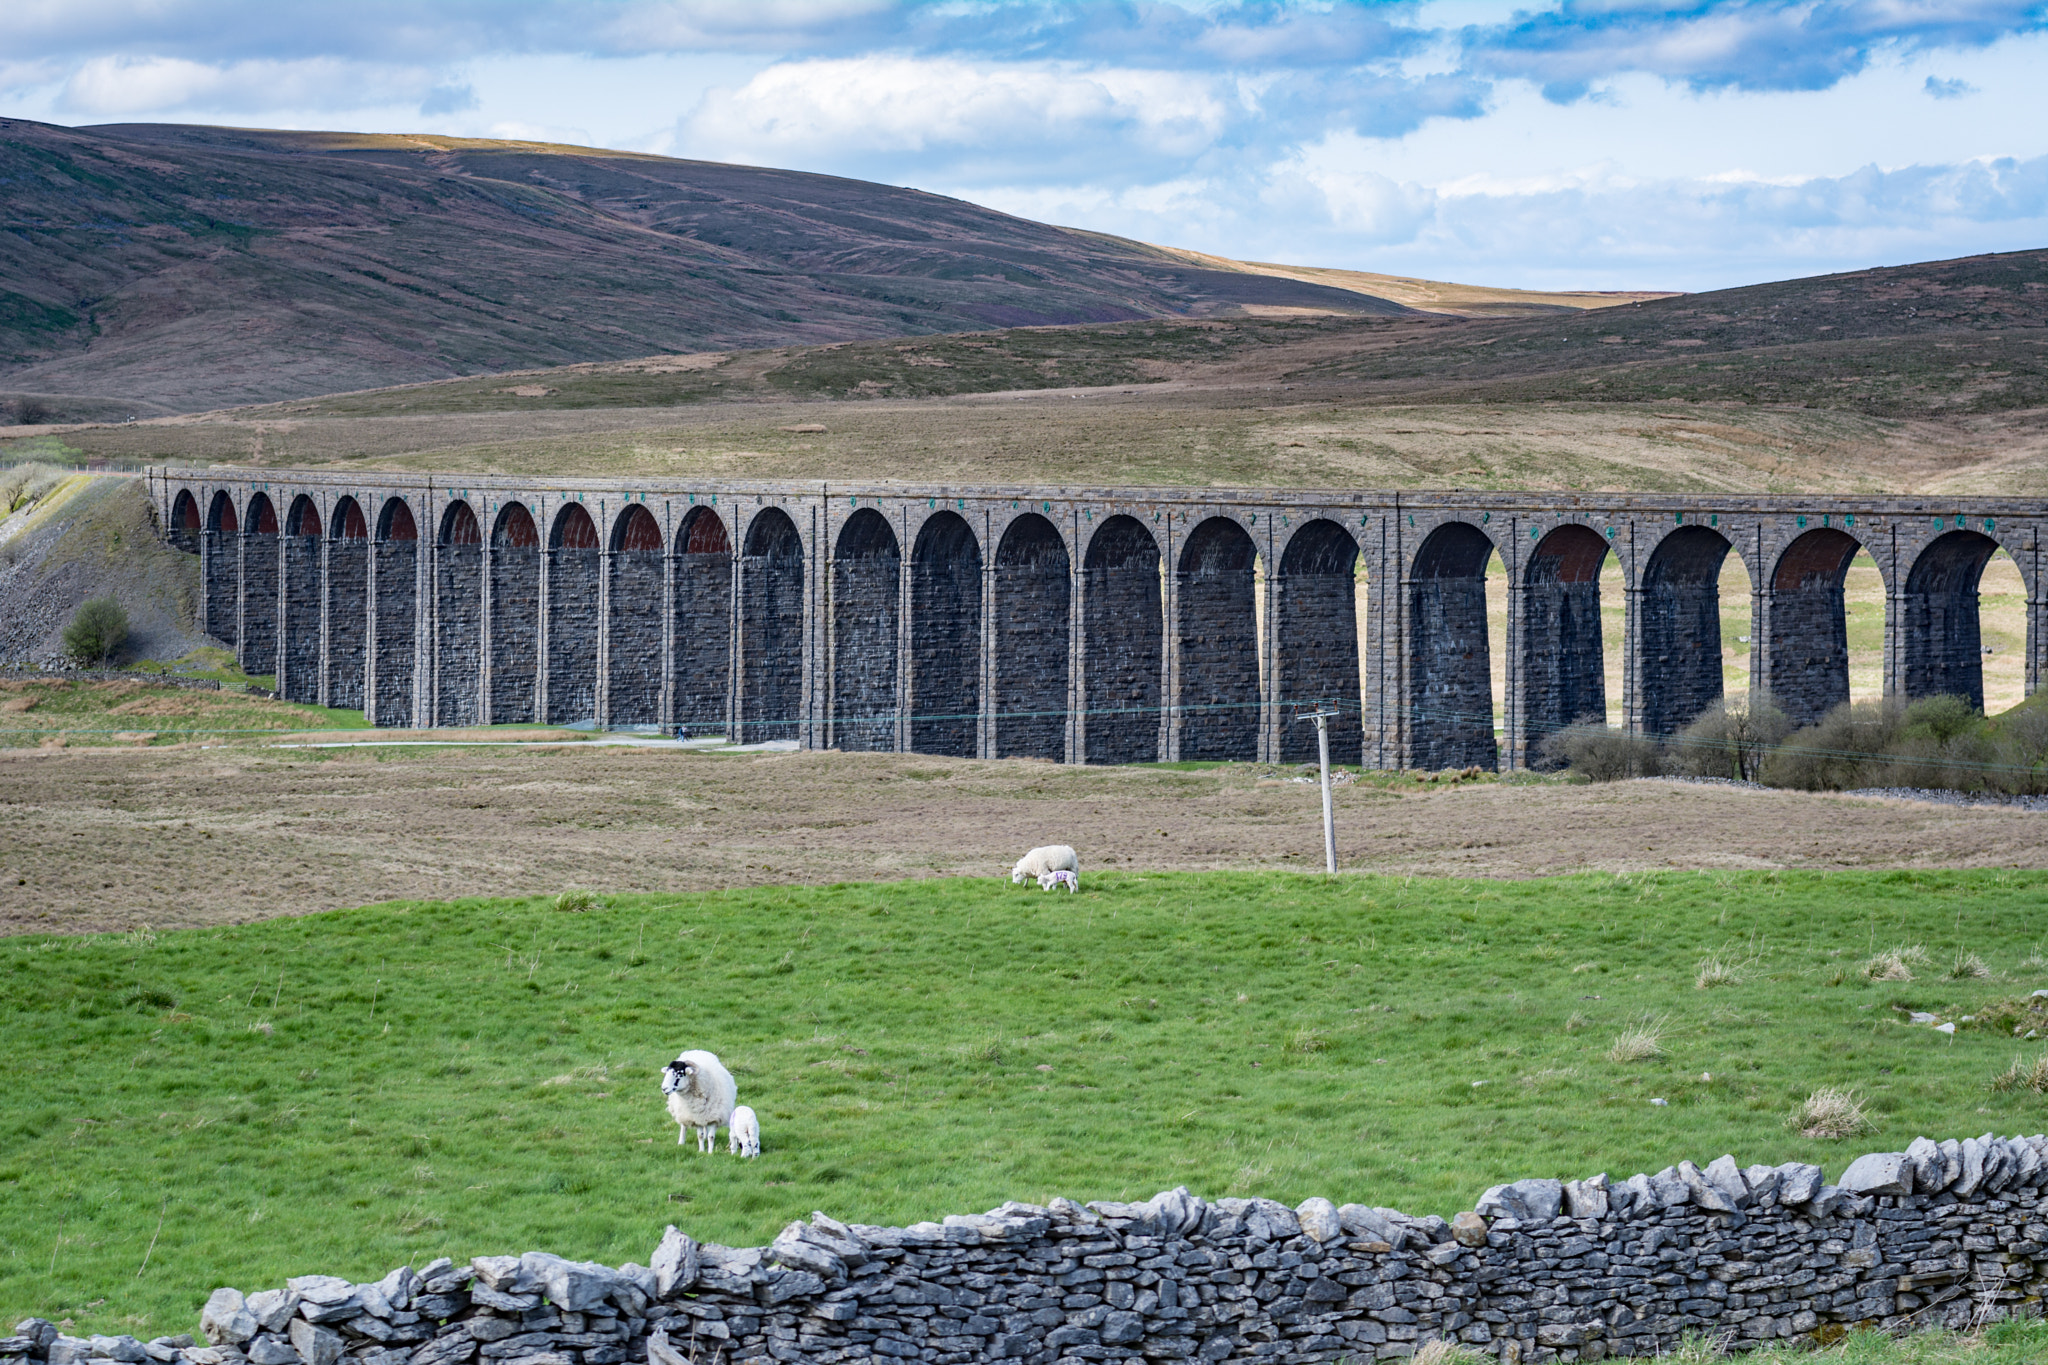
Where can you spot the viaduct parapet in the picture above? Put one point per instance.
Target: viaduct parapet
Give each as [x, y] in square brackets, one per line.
[1083, 625]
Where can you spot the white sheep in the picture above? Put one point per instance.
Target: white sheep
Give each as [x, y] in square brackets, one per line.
[1048, 880]
[1039, 861]
[743, 1138]
[701, 1094]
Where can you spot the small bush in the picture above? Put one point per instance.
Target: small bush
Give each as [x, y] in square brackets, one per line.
[1600, 753]
[1967, 967]
[1713, 972]
[577, 901]
[1638, 1044]
[1829, 1113]
[98, 629]
[1894, 964]
[1839, 752]
[2023, 1076]
[1729, 739]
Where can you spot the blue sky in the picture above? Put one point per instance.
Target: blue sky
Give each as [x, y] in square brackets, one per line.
[1587, 143]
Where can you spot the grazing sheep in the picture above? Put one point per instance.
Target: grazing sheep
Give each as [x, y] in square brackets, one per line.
[743, 1138]
[1039, 861]
[1048, 880]
[700, 1094]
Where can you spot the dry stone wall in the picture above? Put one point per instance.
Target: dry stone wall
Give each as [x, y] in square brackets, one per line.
[1949, 1233]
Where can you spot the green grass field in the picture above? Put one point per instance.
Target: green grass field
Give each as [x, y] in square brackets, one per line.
[349, 1091]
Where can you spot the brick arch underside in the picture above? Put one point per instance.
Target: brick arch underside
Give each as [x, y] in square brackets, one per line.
[1564, 666]
[633, 627]
[1450, 663]
[771, 629]
[945, 637]
[185, 525]
[574, 563]
[1217, 626]
[1033, 599]
[867, 609]
[1940, 635]
[1316, 628]
[703, 623]
[1123, 618]
[1809, 655]
[1680, 632]
[514, 614]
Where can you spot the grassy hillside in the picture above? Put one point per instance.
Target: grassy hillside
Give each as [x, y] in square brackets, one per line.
[349, 1091]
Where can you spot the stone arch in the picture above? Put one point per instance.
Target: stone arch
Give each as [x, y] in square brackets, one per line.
[703, 624]
[220, 516]
[185, 525]
[300, 592]
[633, 651]
[574, 563]
[458, 617]
[514, 615]
[1564, 665]
[1316, 634]
[1807, 672]
[1679, 635]
[348, 584]
[394, 614]
[1450, 665]
[1033, 592]
[945, 637]
[1940, 635]
[1123, 620]
[347, 521]
[867, 603]
[1217, 627]
[771, 628]
[257, 649]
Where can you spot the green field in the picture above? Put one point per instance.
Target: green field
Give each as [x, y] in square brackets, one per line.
[349, 1091]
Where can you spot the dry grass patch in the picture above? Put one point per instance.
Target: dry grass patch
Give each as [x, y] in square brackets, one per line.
[1967, 966]
[2023, 1075]
[1830, 1113]
[1894, 964]
[1712, 972]
[1638, 1044]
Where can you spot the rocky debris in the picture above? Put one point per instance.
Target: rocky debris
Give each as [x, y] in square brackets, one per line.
[1940, 1234]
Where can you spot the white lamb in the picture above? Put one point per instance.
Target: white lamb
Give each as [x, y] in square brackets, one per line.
[743, 1138]
[1048, 880]
[701, 1094]
[1039, 861]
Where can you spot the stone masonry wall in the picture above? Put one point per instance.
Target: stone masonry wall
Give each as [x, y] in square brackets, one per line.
[572, 636]
[347, 621]
[634, 693]
[1953, 1233]
[259, 603]
[298, 630]
[515, 631]
[458, 620]
[394, 600]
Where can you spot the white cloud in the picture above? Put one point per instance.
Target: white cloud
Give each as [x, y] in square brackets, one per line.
[115, 86]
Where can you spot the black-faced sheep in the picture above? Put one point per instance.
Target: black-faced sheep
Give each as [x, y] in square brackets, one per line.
[701, 1094]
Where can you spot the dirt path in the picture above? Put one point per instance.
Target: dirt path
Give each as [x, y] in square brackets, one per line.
[115, 839]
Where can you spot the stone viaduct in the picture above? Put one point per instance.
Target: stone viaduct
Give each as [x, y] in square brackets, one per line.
[1081, 625]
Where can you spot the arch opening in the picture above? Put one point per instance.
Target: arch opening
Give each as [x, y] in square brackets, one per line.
[514, 616]
[1564, 662]
[394, 615]
[262, 516]
[1681, 667]
[1216, 597]
[184, 528]
[867, 602]
[221, 515]
[1123, 618]
[1450, 655]
[572, 578]
[1807, 672]
[301, 591]
[633, 647]
[1033, 591]
[1941, 639]
[771, 629]
[348, 603]
[459, 525]
[945, 637]
[1316, 630]
[703, 624]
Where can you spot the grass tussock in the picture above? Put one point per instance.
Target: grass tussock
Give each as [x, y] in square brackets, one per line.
[1894, 964]
[1829, 1113]
[1713, 972]
[1967, 966]
[1638, 1043]
[2022, 1075]
[1306, 1041]
[576, 900]
[1441, 1352]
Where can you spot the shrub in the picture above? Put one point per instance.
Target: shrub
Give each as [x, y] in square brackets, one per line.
[1638, 1044]
[1729, 739]
[1829, 1113]
[1600, 753]
[96, 631]
[1837, 752]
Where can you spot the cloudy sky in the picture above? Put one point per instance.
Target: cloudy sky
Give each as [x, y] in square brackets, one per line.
[1579, 143]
